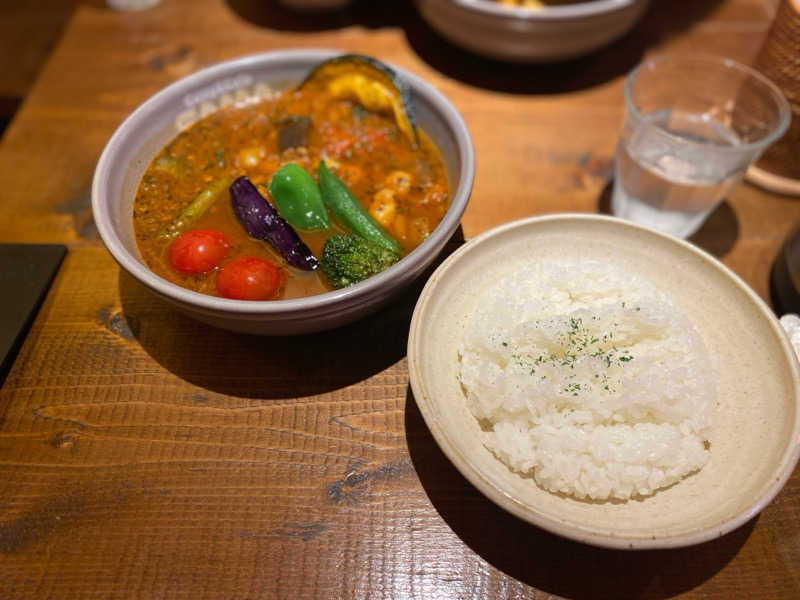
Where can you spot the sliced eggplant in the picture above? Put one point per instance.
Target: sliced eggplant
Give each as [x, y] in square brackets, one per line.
[293, 132]
[263, 222]
[374, 85]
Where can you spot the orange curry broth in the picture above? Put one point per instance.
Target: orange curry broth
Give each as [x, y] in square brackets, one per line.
[403, 187]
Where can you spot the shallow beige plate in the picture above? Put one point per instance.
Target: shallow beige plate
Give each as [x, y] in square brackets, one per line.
[754, 445]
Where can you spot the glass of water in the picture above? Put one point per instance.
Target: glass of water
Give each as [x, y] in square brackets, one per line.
[692, 126]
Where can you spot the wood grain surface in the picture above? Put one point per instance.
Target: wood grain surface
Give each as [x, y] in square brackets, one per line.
[144, 455]
[29, 29]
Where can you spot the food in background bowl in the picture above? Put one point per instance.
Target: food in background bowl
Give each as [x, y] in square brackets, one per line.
[589, 379]
[538, 4]
[541, 34]
[296, 192]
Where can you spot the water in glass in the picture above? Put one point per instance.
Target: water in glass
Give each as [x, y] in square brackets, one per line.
[673, 169]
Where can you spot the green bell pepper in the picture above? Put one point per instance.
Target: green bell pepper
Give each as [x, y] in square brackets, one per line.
[298, 198]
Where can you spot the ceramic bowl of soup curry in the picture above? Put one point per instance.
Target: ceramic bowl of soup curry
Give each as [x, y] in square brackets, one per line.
[225, 122]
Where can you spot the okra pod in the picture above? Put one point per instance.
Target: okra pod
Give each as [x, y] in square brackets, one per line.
[350, 212]
[201, 203]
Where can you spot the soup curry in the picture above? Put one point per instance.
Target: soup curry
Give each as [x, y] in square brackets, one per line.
[398, 178]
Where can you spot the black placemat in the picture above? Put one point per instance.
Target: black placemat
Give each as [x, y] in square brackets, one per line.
[26, 271]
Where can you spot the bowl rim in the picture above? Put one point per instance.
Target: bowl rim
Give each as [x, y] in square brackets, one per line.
[710, 63]
[547, 13]
[789, 457]
[311, 304]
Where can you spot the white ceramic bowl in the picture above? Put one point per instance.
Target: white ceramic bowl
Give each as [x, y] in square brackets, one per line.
[754, 442]
[154, 123]
[519, 34]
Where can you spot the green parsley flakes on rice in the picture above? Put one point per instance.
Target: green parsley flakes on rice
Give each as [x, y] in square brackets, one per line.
[589, 379]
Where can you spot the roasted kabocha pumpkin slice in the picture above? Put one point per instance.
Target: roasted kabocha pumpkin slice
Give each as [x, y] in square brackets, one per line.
[374, 85]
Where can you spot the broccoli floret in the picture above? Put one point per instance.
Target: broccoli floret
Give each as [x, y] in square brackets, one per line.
[348, 259]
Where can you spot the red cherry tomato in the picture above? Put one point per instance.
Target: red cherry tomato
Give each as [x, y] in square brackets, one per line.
[198, 251]
[249, 278]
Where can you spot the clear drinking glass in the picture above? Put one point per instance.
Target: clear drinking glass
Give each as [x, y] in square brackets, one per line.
[692, 126]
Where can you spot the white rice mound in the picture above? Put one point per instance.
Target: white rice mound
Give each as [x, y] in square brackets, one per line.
[589, 379]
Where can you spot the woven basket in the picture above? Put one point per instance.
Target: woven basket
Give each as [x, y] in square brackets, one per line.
[778, 169]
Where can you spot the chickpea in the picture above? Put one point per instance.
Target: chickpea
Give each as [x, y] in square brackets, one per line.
[399, 181]
[249, 157]
[400, 228]
[332, 163]
[383, 207]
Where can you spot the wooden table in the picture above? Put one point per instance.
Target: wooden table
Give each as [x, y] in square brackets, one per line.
[143, 455]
